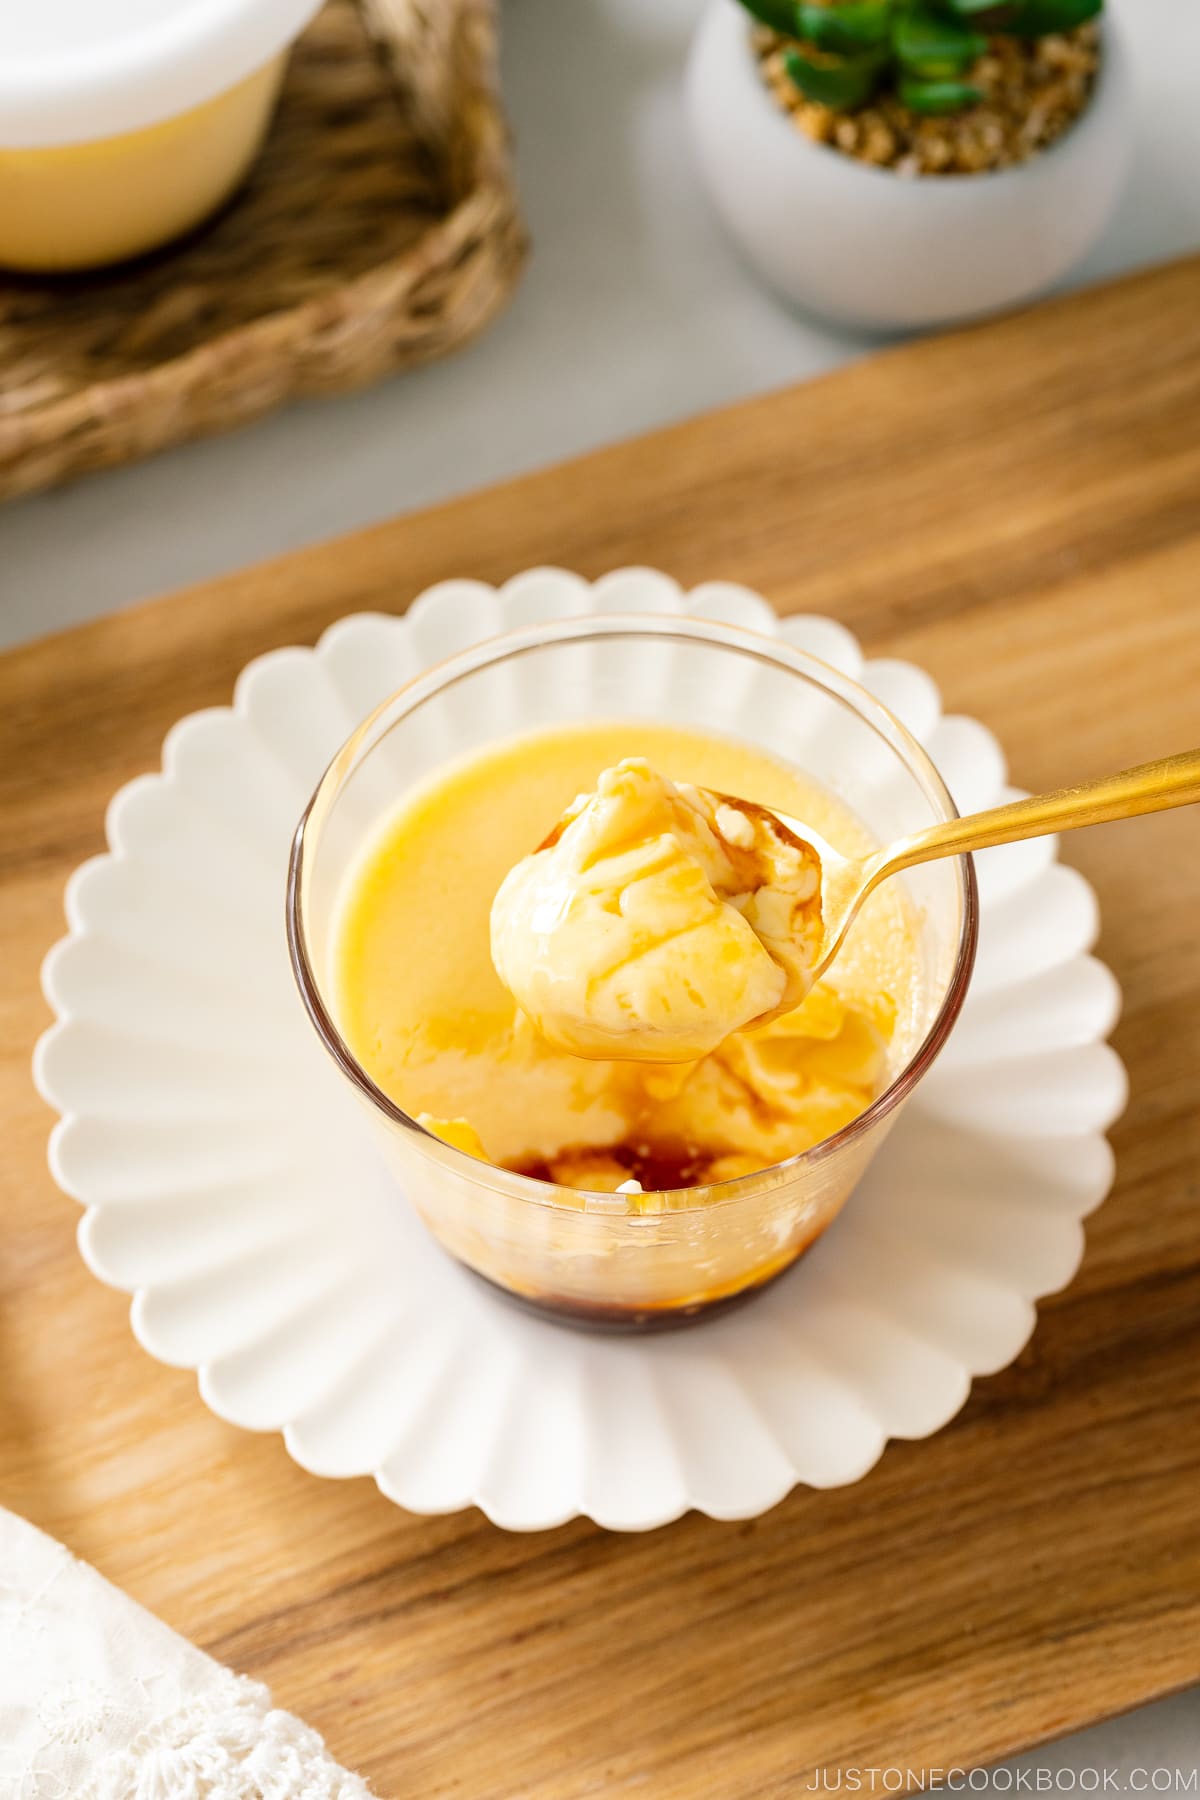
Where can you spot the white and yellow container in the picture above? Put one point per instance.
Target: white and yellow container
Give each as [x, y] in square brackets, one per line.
[124, 123]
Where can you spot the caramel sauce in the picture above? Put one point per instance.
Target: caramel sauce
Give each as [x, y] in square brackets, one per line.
[657, 1166]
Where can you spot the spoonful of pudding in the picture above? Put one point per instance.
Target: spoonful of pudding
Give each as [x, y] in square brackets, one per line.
[658, 918]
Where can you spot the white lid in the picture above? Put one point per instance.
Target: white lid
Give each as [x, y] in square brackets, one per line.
[71, 70]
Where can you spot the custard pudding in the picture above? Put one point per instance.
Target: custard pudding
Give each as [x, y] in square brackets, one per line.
[126, 123]
[420, 1004]
[656, 919]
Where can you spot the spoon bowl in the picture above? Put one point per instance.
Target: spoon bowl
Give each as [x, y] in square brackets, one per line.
[846, 882]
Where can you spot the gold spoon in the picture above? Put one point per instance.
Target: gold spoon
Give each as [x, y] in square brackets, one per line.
[846, 882]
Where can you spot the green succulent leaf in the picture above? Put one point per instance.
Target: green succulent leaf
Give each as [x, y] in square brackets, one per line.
[777, 15]
[1038, 18]
[846, 29]
[846, 83]
[938, 96]
[933, 48]
[984, 15]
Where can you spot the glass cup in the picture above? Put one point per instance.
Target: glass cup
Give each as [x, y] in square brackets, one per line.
[618, 1260]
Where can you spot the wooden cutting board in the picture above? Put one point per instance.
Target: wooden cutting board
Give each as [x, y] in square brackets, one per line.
[1018, 508]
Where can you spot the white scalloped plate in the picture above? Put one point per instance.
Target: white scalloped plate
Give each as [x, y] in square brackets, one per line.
[230, 1188]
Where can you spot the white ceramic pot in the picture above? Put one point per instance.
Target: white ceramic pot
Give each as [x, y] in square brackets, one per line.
[876, 249]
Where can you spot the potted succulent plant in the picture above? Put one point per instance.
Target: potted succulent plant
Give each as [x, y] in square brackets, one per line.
[897, 163]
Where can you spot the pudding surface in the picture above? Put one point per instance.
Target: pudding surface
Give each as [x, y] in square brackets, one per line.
[420, 1004]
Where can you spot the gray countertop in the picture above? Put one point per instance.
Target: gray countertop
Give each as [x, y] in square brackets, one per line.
[634, 312]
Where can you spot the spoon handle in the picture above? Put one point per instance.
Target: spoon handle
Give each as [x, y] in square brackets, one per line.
[1151, 787]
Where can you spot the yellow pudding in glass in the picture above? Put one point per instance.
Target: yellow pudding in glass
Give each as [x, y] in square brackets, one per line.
[79, 206]
[125, 123]
[420, 1005]
[624, 1195]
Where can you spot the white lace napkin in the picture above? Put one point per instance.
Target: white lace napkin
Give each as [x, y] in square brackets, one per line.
[101, 1701]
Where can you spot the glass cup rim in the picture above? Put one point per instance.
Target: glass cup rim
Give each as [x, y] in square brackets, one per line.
[500, 647]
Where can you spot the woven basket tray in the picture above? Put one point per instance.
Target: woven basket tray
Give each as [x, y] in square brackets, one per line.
[379, 229]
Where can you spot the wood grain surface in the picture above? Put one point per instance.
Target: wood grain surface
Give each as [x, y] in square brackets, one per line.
[1017, 508]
